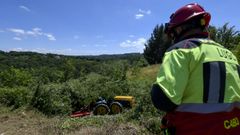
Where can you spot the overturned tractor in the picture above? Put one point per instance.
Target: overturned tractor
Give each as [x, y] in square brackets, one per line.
[103, 106]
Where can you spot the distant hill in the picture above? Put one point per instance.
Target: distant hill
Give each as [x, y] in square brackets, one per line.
[112, 56]
[34, 59]
[93, 57]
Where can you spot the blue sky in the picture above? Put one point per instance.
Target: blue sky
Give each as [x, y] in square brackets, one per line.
[93, 27]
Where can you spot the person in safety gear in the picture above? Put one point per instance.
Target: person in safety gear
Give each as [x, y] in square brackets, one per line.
[198, 85]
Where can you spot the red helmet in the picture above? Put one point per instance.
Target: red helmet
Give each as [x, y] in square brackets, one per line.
[185, 13]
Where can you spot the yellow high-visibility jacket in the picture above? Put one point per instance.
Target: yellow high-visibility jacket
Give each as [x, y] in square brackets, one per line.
[197, 75]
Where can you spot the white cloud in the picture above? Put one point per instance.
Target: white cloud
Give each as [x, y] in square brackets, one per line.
[35, 32]
[25, 8]
[1, 31]
[147, 12]
[17, 31]
[17, 49]
[31, 33]
[138, 44]
[17, 38]
[62, 51]
[141, 13]
[44, 50]
[139, 16]
[50, 36]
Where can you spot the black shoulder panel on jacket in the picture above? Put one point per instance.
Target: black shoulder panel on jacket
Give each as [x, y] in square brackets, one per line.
[160, 100]
[185, 44]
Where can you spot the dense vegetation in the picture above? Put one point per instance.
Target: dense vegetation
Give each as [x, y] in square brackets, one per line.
[59, 85]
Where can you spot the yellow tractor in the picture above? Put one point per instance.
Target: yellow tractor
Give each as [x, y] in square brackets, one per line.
[114, 106]
[102, 107]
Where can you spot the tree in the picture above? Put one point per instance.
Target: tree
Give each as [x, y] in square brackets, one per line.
[212, 32]
[69, 69]
[236, 51]
[156, 46]
[227, 36]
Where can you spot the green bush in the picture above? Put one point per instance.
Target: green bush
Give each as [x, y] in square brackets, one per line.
[47, 75]
[52, 99]
[15, 97]
[116, 70]
[13, 77]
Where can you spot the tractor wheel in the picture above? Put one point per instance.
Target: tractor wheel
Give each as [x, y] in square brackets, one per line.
[101, 109]
[116, 108]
